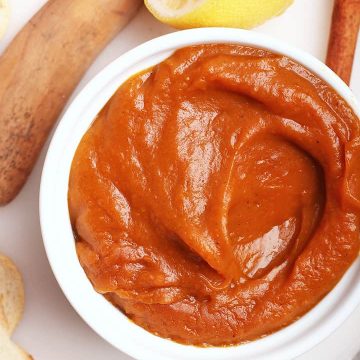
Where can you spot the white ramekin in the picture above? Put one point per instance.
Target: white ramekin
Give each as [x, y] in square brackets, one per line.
[105, 319]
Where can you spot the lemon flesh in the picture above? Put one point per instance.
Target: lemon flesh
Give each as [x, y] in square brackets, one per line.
[226, 13]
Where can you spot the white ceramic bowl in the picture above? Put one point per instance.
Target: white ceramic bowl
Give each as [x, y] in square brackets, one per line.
[105, 319]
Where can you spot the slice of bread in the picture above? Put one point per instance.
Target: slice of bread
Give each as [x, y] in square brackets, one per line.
[11, 295]
[4, 16]
[3, 320]
[9, 350]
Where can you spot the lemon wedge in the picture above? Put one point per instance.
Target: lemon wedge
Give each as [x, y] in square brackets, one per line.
[245, 14]
[4, 16]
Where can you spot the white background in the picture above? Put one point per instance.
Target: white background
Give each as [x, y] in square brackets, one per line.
[50, 329]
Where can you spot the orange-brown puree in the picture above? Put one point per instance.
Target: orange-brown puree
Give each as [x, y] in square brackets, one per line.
[215, 199]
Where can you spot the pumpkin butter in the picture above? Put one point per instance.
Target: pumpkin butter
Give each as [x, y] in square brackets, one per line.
[216, 197]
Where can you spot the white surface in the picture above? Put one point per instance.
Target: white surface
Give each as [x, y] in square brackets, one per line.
[51, 329]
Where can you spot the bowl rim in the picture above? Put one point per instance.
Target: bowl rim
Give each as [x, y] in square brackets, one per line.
[109, 322]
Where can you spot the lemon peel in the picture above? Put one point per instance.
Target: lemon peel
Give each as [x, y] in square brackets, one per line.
[225, 13]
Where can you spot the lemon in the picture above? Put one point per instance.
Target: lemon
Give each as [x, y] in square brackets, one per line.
[228, 13]
[4, 16]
